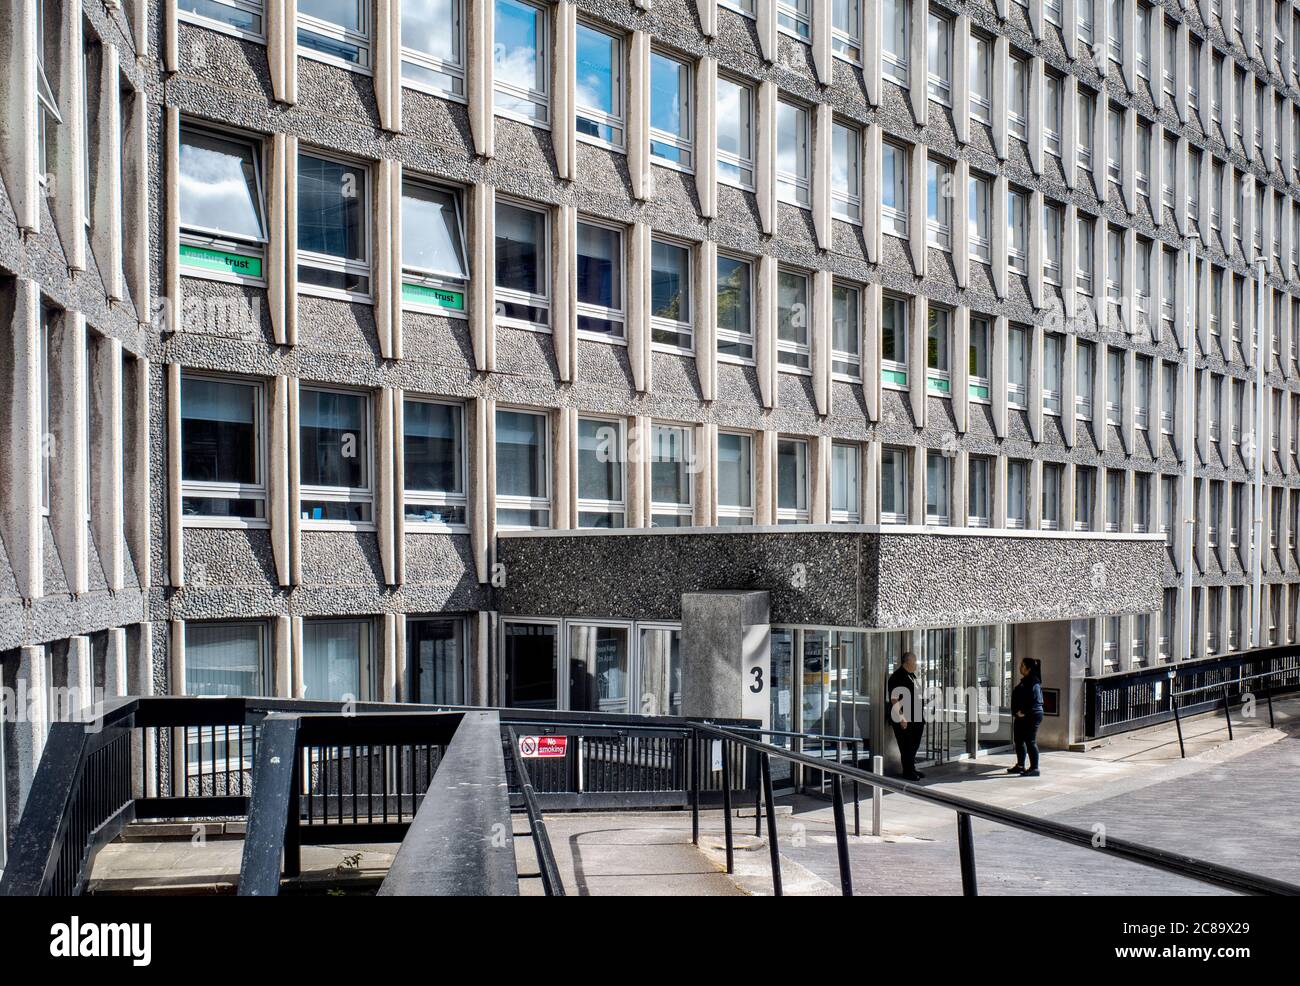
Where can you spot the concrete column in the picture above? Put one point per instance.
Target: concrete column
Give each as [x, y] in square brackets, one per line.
[638, 117]
[961, 223]
[140, 677]
[22, 443]
[297, 685]
[767, 34]
[282, 657]
[479, 78]
[176, 657]
[823, 121]
[959, 367]
[386, 235]
[765, 312]
[1000, 58]
[706, 318]
[171, 195]
[871, 349]
[871, 77]
[998, 214]
[480, 412]
[960, 77]
[481, 658]
[116, 678]
[106, 429]
[1034, 128]
[708, 14]
[819, 473]
[564, 456]
[638, 306]
[869, 488]
[822, 314]
[765, 486]
[388, 63]
[105, 149]
[705, 493]
[31, 730]
[998, 348]
[917, 56]
[1035, 384]
[1036, 251]
[18, 126]
[69, 493]
[563, 86]
[282, 49]
[564, 291]
[916, 207]
[916, 486]
[639, 450]
[1069, 419]
[295, 482]
[388, 660]
[871, 231]
[726, 655]
[706, 135]
[765, 154]
[279, 506]
[918, 311]
[822, 54]
[135, 202]
[138, 504]
[175, 528]
[386, 506]
[482, 285]
[65, 66]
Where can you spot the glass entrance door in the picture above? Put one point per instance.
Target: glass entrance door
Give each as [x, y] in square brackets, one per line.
[598, 668]
[943, 675]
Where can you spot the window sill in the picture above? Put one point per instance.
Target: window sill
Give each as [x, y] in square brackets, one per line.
[335, 295]
[451, 97]
[317, 56]
[672, 165]
[602, 144]
[601, 337]
[527, 121]
[427, 527]
[198, 20]
[225, 523]
[360, 527]
[663, 347]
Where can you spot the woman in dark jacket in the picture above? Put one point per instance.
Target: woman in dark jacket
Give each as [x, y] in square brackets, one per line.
[1027, 708]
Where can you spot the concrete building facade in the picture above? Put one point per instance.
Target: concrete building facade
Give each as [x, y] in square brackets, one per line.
[308, 307]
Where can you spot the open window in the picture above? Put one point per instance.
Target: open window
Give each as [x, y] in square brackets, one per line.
[222, 215]
[434, 271]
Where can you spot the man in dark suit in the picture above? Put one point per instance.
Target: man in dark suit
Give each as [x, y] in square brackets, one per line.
[906, 714]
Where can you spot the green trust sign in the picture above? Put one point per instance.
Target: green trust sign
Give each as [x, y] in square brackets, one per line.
[423, 294]
[220, 261]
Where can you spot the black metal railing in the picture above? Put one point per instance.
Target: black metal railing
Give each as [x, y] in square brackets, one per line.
[1201, 871]
[552, 884]
[1148, 696]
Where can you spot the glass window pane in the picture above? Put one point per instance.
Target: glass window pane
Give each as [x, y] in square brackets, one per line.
[599, 277]
[520, 249]
[431, 236]
[670, 476]
[598, 669]
[521, 454]
[333, 439]
[432, 452]
[219, 420]
[600, 460]
[219, 189]
[435, 653]
[670, 282]
[227, 659]
[334, 654]
[330, 198]
[734, 472]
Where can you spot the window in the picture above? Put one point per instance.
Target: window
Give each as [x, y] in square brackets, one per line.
[735, 326]
[522, 269]
[671, 502]
[979, 490]
[1017, 366]
[893, 189]
[794, 17]
[939, 59]
[894, 485]
[735, 479]
[1051, 496]
[893, 340]
[601, 457]
[338, 30]
[938, 345]
[846, 332]
[1083, 130]
[244, 16]
[434, 271]
[436, 657]
[895, 26]
[1142, 393]
[519, 61]
[846, 29]
[530, 664]
[1114, 501]
[1053, 351]
[939, 194]
[333, 226]
[1142, 41]
[793, 347]
[600, 280]
[735, 113]
[1114, 386]
[1168, 397]
[1115, 149]
[1114, 276]
[1018, 98]
[670, 111]
[223, 474]
[227, 659]
[1168, 506]
[1017, 232]
[433, 45]
[523, 491]
[938, 475]
[1193, 75]
[846, 173]
[44, 398]
[980, 225]
[336, 660]
[845, 484]
[1084, 20]
[1084, 368]
[334, 456]
[1143, 170]
[222, 222]
[1053, 221]
[1052, 114]
[1115, 31]
[1085, 265]
[792, 155]
[1141, 502]
[980, 59]
[433, 463]
[792, 481]
[980, 338]
[1085, 491]
[1017, 493]
[1052, 11]
[670, 295]
[599, 86]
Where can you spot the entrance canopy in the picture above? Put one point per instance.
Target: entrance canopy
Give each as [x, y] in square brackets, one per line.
[835, 575]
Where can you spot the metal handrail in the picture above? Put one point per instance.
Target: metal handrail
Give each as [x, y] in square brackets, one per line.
[551, 881]
[1225, 877]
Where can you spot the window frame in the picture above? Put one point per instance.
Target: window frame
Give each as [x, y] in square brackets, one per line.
[230, 491]
[221, 240]
[327, 262]
[212, 24]
[794, 356]
[600, 313]
[512, 296]
[529, 504]
[422, 279]
[437, 498]
[342, 494]
[588, 505]
[363, 41]
[842, 360]
[740, 515]
[456, 71]
[616, 121]
[795, 188]
[731, 336]
[685, 145]
[803, 460]
[543, 54]
[680, 328]
[661, 508]
[743, 166]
